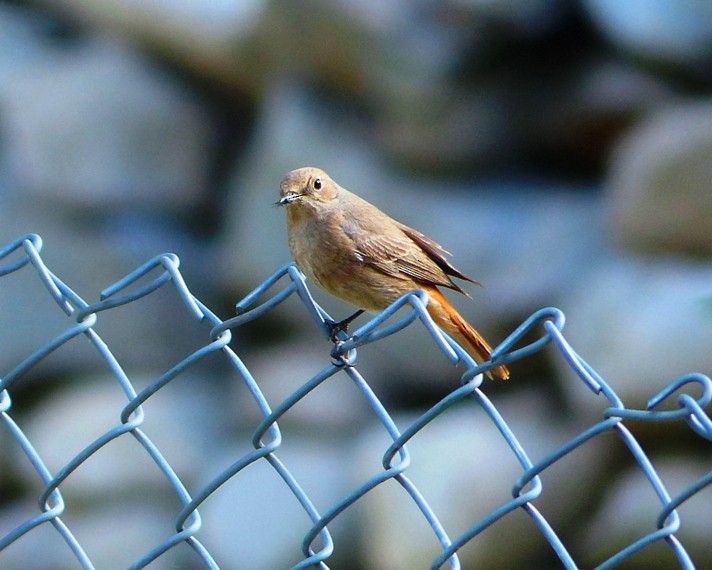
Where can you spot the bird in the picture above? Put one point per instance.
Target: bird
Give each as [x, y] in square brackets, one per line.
[356, 252]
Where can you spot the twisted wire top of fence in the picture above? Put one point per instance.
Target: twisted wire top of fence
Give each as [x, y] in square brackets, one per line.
[318, 544]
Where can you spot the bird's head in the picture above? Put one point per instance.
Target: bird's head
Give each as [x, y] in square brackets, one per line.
[306, 186]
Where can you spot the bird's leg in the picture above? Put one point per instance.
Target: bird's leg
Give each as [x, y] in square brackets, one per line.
[342, 326]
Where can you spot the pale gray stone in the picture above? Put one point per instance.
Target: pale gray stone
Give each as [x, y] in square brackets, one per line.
[95, 128]
[658, 187]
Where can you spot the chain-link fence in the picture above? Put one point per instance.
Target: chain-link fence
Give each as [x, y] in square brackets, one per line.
[543, 330]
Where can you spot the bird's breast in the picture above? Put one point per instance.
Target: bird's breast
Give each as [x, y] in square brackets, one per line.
[328, 258]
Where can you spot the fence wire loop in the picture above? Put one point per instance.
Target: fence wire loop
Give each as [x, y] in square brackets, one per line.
[21, 243]
[543, 330]
[690, 409]
[169, 262]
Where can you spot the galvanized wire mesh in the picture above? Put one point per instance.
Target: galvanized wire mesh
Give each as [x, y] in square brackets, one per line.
[318, 546]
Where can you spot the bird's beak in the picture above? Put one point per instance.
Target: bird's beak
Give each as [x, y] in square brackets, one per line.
[287, 199]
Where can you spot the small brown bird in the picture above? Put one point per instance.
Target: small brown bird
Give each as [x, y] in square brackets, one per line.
[357, 253]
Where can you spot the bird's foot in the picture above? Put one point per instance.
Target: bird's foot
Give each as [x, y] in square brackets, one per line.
[341, 326]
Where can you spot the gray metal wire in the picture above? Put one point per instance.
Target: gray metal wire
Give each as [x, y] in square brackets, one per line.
[23, 254]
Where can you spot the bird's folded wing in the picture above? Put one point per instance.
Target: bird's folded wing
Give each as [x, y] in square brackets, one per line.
[396, 253]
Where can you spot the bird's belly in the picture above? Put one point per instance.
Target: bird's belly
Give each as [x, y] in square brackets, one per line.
[348, 278]
[362, 286]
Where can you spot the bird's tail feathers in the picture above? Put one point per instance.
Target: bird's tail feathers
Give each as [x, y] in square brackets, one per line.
[447, 317]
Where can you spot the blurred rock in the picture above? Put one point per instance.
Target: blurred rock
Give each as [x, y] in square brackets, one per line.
[581, 117]
[667, 31]
[524, 16]
[19, 41]
[363, 47]
[448, 131]
[659, 192]
[371, 48]
[93, 127]
[527, 91]
[203, 37]
[640, 324]
[489, 126]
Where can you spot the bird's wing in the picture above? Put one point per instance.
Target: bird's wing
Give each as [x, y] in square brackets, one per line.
[437, 253]
[396, 251]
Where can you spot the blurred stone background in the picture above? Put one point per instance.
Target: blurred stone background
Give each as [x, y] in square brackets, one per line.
[562, 150]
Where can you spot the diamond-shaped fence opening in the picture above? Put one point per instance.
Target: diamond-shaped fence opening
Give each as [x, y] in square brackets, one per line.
[138, 469]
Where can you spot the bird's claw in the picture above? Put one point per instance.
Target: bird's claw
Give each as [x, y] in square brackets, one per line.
[334, 328]
[337, 331]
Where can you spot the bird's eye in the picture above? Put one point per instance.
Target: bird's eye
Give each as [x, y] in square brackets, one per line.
[317, 184]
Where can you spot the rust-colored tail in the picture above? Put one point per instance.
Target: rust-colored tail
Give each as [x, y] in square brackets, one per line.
[447, 318]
